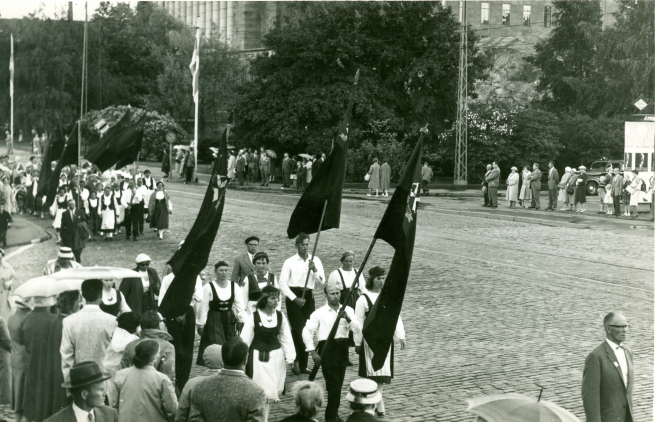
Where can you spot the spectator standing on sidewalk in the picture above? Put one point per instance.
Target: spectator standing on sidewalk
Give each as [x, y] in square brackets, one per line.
[485, 186]
[563, 196]
[553, 179]
[385, 178]
[264, 167]
[581, 189]
[524, 196]
[535, 185]
[374, 181]
[287, 170]
[492, 180]
[513, 187]
[426, 176]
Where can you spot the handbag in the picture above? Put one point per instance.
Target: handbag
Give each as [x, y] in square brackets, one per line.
[367, 177]
[570, 190]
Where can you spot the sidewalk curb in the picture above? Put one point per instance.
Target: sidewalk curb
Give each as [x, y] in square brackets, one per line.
[41, 239]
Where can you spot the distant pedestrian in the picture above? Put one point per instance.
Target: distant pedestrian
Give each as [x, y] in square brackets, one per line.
[492, 183]
[166, 163]
[609, 375]
[553, 180]
[570, 189]
[581, 189]
[241, 168]
[159, 209]
[308, 176]
[617, 188]
[231, 167]
[374, 181]
[513, 187]
[535, 185]
[287, 170]
[635, 193]
[525, 197]
[485, 186]
[74, 232]
[563, 196]
[190, 165]
[178, 160]
[426, 177]
[385, 178]
[308, 396]
[264, 167]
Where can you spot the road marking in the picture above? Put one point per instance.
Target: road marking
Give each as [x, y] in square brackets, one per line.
[19, 251]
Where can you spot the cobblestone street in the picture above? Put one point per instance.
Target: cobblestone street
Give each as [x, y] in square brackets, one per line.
[492, 305]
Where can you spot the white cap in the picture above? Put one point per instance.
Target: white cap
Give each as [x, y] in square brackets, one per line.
[142, 258]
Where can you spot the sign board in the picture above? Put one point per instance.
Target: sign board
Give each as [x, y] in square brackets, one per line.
[170, 137]
[640, 154]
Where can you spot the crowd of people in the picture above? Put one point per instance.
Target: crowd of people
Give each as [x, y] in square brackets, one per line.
[570, 191]
[107, 350]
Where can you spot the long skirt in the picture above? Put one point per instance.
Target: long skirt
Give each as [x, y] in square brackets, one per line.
[219, 328]
[381, 376]
[634, 198]
[562, 196]
[5, 377]
[581, 194]
[159, 217]
[108, 220]
[270, 376]
[18, 384]
[526, 195]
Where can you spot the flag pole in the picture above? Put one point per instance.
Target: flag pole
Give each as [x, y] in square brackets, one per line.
[10, 142]
[197, 100]
[335, 326]
[318, 234]
[79, 124]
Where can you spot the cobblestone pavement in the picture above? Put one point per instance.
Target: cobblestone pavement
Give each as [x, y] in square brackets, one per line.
[492, 306]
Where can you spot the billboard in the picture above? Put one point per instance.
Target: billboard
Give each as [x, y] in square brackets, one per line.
[639, 154]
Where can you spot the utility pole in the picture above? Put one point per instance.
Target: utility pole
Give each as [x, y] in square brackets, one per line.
[461, 160]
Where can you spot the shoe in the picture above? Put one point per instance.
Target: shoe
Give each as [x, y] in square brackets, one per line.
[379, 414]
[305, 371]
[493, 206]
[600, 212]
[349, 363]
[135, 239]
[295, 370]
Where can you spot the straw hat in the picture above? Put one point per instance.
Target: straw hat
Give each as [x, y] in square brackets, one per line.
[364, 391]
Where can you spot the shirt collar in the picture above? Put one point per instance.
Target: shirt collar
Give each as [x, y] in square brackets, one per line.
[613, 345]
[233, 371]
[82, 414]
[91, 306]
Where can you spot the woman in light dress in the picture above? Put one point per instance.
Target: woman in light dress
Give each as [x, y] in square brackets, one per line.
[159, 207]
[562, 195]
[570, 188]
[525, 196]
[635, 194]
[374, 181]
[364, 305]
[513, 187]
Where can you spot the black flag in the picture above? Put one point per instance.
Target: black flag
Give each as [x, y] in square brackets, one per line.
[69, 155]
[397, 228]
[104, 153]
[192, 257]
[129, 144]
[327, 184]
[52, 152]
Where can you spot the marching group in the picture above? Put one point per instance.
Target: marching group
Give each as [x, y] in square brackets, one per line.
[61, 355]
[570, 191]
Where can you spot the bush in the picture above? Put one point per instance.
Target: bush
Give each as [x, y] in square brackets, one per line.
[380, 142]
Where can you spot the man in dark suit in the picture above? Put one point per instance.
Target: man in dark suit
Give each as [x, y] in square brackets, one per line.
[71, 234]
[243, 265]
[87, 388]
[229, 395]
[553, 180]
[485, 186]
[608, 375]
[492, 179]
[535, 186]
[288, 167]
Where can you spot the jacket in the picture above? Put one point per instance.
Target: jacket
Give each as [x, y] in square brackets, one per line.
[617, 185]
[166, 364]
[535, 179]
[101, 413]
[71, 235]
[132, 289]
[15, 325]
[142, 394]
[288, 166]
[604, 395]
[493, 177]
[228, 396]
[553, 178]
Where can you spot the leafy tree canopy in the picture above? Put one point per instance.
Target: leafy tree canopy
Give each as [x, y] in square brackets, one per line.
[407, 53]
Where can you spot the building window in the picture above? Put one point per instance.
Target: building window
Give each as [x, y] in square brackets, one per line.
[484, 13]
[547, 17]
[506, 9]
[527, 11]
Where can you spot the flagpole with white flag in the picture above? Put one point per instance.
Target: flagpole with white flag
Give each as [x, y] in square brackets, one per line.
[10, 142]
[194, 66]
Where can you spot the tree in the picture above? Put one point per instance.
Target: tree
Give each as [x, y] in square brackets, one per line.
[585, 139]
[407, 53]
[566, 57]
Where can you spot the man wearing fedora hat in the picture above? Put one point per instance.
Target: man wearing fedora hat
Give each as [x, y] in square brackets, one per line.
[363, 397]
[65, 260]
[88, 390]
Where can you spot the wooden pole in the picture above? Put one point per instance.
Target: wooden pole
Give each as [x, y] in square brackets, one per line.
[333, 331]
[318, 234]
[170, 160]
[82, 104]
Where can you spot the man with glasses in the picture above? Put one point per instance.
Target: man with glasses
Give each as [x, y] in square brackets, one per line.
[141, 292]
[244, 266]
[608, 376]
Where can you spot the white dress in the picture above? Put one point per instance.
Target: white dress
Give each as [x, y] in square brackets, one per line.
[270, 375]
[120, 208]
[384, 374]
[634, 197]
[57, 209]
[108, 215]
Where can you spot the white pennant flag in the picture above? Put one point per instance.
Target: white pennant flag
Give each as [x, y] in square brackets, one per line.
[194, 66]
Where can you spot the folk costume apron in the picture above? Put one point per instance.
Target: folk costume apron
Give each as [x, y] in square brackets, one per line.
[220, 325]
[266, 365]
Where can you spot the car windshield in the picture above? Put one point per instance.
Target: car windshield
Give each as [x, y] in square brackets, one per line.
[599, 165]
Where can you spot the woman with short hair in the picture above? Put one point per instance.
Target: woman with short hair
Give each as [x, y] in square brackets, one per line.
[374, 180]
[513, 187]
[563, 195]
[526, 196]
[140, 392]
[308, 396]
[261, 278]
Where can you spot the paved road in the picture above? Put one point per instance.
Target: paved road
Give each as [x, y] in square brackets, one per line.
[492, 306]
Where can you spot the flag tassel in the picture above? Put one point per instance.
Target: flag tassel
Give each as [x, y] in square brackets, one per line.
[335, 326]
[318, 234]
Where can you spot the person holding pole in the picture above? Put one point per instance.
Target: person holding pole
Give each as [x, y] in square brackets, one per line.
[335, 362]
[299, 275]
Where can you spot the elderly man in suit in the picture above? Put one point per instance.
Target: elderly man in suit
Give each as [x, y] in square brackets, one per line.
[244, 266]
[86, 334]
[229, 395]
[71, 234]
[535, 186]
[553, 180]
[608, 376]
[485, 187]
[492, 179]
[242, 166]
[288, 167]
[88, 390]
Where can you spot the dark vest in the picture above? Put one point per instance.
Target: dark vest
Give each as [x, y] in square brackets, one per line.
[115, 308]
[218, 305]
[254, 292]
[266, 339]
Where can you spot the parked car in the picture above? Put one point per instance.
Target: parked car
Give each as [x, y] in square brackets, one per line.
[597, 169]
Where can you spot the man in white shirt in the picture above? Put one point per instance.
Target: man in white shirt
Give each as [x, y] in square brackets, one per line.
[300, 303]
[608, 376]
[334, 363]
[183, 330]
[133, 202]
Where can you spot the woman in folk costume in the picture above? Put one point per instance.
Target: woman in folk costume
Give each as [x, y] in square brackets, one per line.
[268, 334]
[10, 195]
[107, 212]
[222, 313]
[159, 206]
[120, 208]
[92, 214]
[261, 278]
[525, 196]
[513, 187]
[562, 195]
[113, 301]
[59, 205]
[376, 276]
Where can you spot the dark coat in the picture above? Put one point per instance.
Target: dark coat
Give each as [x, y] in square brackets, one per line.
[604, 395]
[296, 417]
[361, 417]
[71, 234]
[288, 165]
[132, 289]
[316, 165]
[101, 413]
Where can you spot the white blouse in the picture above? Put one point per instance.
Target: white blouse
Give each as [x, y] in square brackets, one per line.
[286, 341]
[360, 315]
[109, 298]
[238, 306]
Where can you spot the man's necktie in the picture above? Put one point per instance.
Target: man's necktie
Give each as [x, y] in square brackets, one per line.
[90, 417]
